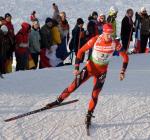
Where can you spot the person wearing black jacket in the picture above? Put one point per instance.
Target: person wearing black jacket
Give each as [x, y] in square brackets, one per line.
[78, 37]
[92, 28]
[5, 48]
[127, 29]
[46, 42]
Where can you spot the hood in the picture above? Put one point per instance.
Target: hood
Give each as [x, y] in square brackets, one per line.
[25, 27]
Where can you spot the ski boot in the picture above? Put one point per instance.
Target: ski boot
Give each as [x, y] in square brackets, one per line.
[88, 118]
[57, 102]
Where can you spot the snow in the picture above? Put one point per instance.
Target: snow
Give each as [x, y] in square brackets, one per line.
[123, 110]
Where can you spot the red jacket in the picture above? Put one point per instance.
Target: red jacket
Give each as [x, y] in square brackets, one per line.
[10, 28]
[102, 52]
[22, 37]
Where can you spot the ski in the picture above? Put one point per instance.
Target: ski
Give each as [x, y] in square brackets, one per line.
[39, 110]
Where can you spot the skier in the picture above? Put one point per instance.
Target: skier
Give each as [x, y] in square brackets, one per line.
[103, 47]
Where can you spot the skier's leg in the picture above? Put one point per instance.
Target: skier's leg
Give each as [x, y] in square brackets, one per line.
[98, 84]
[81, 78]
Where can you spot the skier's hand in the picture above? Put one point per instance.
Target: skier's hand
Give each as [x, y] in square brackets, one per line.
[122, 76]
[76, 72]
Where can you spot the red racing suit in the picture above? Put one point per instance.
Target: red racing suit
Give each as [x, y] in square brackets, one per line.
[96, 66]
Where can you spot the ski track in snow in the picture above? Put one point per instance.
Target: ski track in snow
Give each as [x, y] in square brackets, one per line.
[117, 117]
[122, 113]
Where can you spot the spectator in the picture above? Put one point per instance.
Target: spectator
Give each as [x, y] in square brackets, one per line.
[144, 21]
[112, 19]
[5, 45]
[8, 23]
[46, 42]
[62, 52]
[56, 41]
[127, 29]
[34, 42]
[92, 28]
[101, 21]
[64, 26]
[78, 37]
[22, 46]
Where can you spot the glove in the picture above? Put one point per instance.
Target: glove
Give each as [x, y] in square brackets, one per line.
[122, 75]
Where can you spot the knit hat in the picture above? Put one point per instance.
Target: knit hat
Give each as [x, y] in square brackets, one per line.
[7, 15]
[4, 28]
[48, 20]
[80, 21]
[94, 13]
[108, 28]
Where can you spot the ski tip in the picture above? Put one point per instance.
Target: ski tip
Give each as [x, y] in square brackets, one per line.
[7, 120]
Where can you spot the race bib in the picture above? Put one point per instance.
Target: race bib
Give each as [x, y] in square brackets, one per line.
[101, 58]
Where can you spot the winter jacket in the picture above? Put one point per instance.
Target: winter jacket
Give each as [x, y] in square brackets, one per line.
[64, 29]
[92, 28]
[11, 34]
[22, 37]
[46, 37]
[10, 28]
[145, 25]
[111, 19]
[22, 46]
[126, 28]
[142, 23]
[34, 41]
[78, 39]
[56, 37]
[100, 27]
[5, 46]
